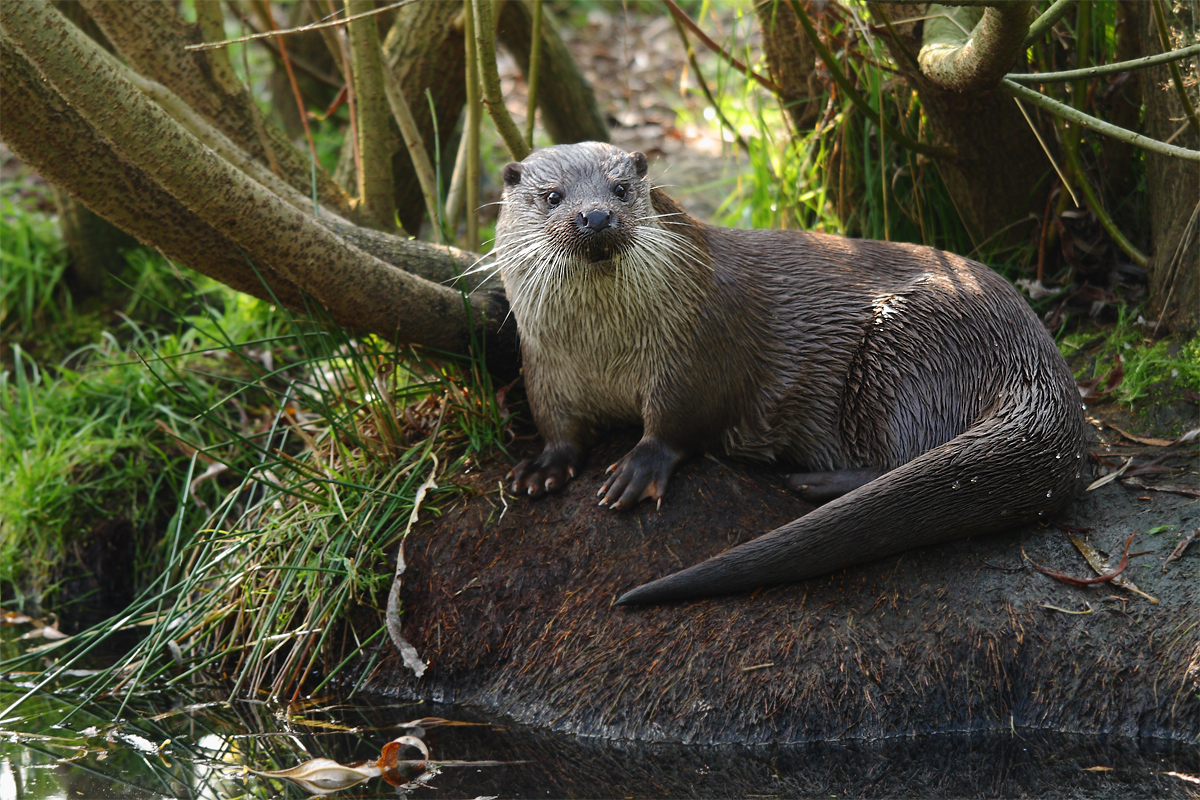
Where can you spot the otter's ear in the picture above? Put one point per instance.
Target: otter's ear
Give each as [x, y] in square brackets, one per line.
[639, 163]
[512, 173]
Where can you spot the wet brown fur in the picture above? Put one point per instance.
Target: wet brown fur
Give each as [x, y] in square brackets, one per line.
[818, 352]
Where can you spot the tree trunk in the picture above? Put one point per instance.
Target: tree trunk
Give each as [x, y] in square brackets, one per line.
[791, 60]
[1001, 176]
[1173, 184]
[565, 98]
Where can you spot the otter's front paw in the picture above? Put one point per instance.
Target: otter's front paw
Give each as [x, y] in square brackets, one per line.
[549, 472]
[641, 475]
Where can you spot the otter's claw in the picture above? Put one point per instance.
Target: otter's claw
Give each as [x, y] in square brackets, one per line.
[557, 464]
[641, 475]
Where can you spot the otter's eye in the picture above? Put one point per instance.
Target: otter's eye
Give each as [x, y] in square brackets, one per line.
[554, 198]
[620, 190]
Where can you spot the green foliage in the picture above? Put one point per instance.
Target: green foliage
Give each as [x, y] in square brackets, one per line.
[96, 442]
[32, 263]
[1150, 368]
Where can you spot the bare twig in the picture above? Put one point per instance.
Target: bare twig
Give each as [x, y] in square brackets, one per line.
[310, 27]
[1073, 581]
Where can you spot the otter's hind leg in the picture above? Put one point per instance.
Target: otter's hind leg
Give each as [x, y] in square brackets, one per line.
[821, 487]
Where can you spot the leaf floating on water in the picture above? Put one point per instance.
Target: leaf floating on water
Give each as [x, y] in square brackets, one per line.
[438, 722]
[1101, 566]
[324, 775]
[45, 632]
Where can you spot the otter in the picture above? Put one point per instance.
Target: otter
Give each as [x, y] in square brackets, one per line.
[916, 389]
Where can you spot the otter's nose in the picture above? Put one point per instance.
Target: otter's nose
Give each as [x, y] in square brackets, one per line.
[595, 220]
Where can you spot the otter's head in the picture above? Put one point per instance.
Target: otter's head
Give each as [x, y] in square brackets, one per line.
[573, 203]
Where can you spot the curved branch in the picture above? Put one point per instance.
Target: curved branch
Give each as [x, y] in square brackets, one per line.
[854, 97]
[49, 135]
[151, 37]
[956, 62]
[1066, 112]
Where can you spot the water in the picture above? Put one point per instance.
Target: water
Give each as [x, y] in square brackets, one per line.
[195, 743]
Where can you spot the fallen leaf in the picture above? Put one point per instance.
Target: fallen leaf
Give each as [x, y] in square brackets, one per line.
[1097, 769]
[1186, 491]
[1185, 777]
[324, 775]
[1110, 477]
[1142, 439]
[45, 632]
[1177, 553]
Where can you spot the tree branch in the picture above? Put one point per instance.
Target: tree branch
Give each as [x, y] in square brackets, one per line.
[375, 188]
[1103, 69]
[352, 284]
[1047, 20]
[1088, 121]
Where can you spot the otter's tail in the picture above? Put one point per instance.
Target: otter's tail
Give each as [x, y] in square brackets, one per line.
[1013, 466]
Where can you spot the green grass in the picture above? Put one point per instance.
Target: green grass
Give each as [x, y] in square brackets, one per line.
[32, 264]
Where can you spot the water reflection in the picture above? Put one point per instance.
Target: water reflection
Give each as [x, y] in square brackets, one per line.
[60, 744]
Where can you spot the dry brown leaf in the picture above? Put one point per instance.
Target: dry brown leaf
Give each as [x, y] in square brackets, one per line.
[1177, 553]
[1141, 439]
